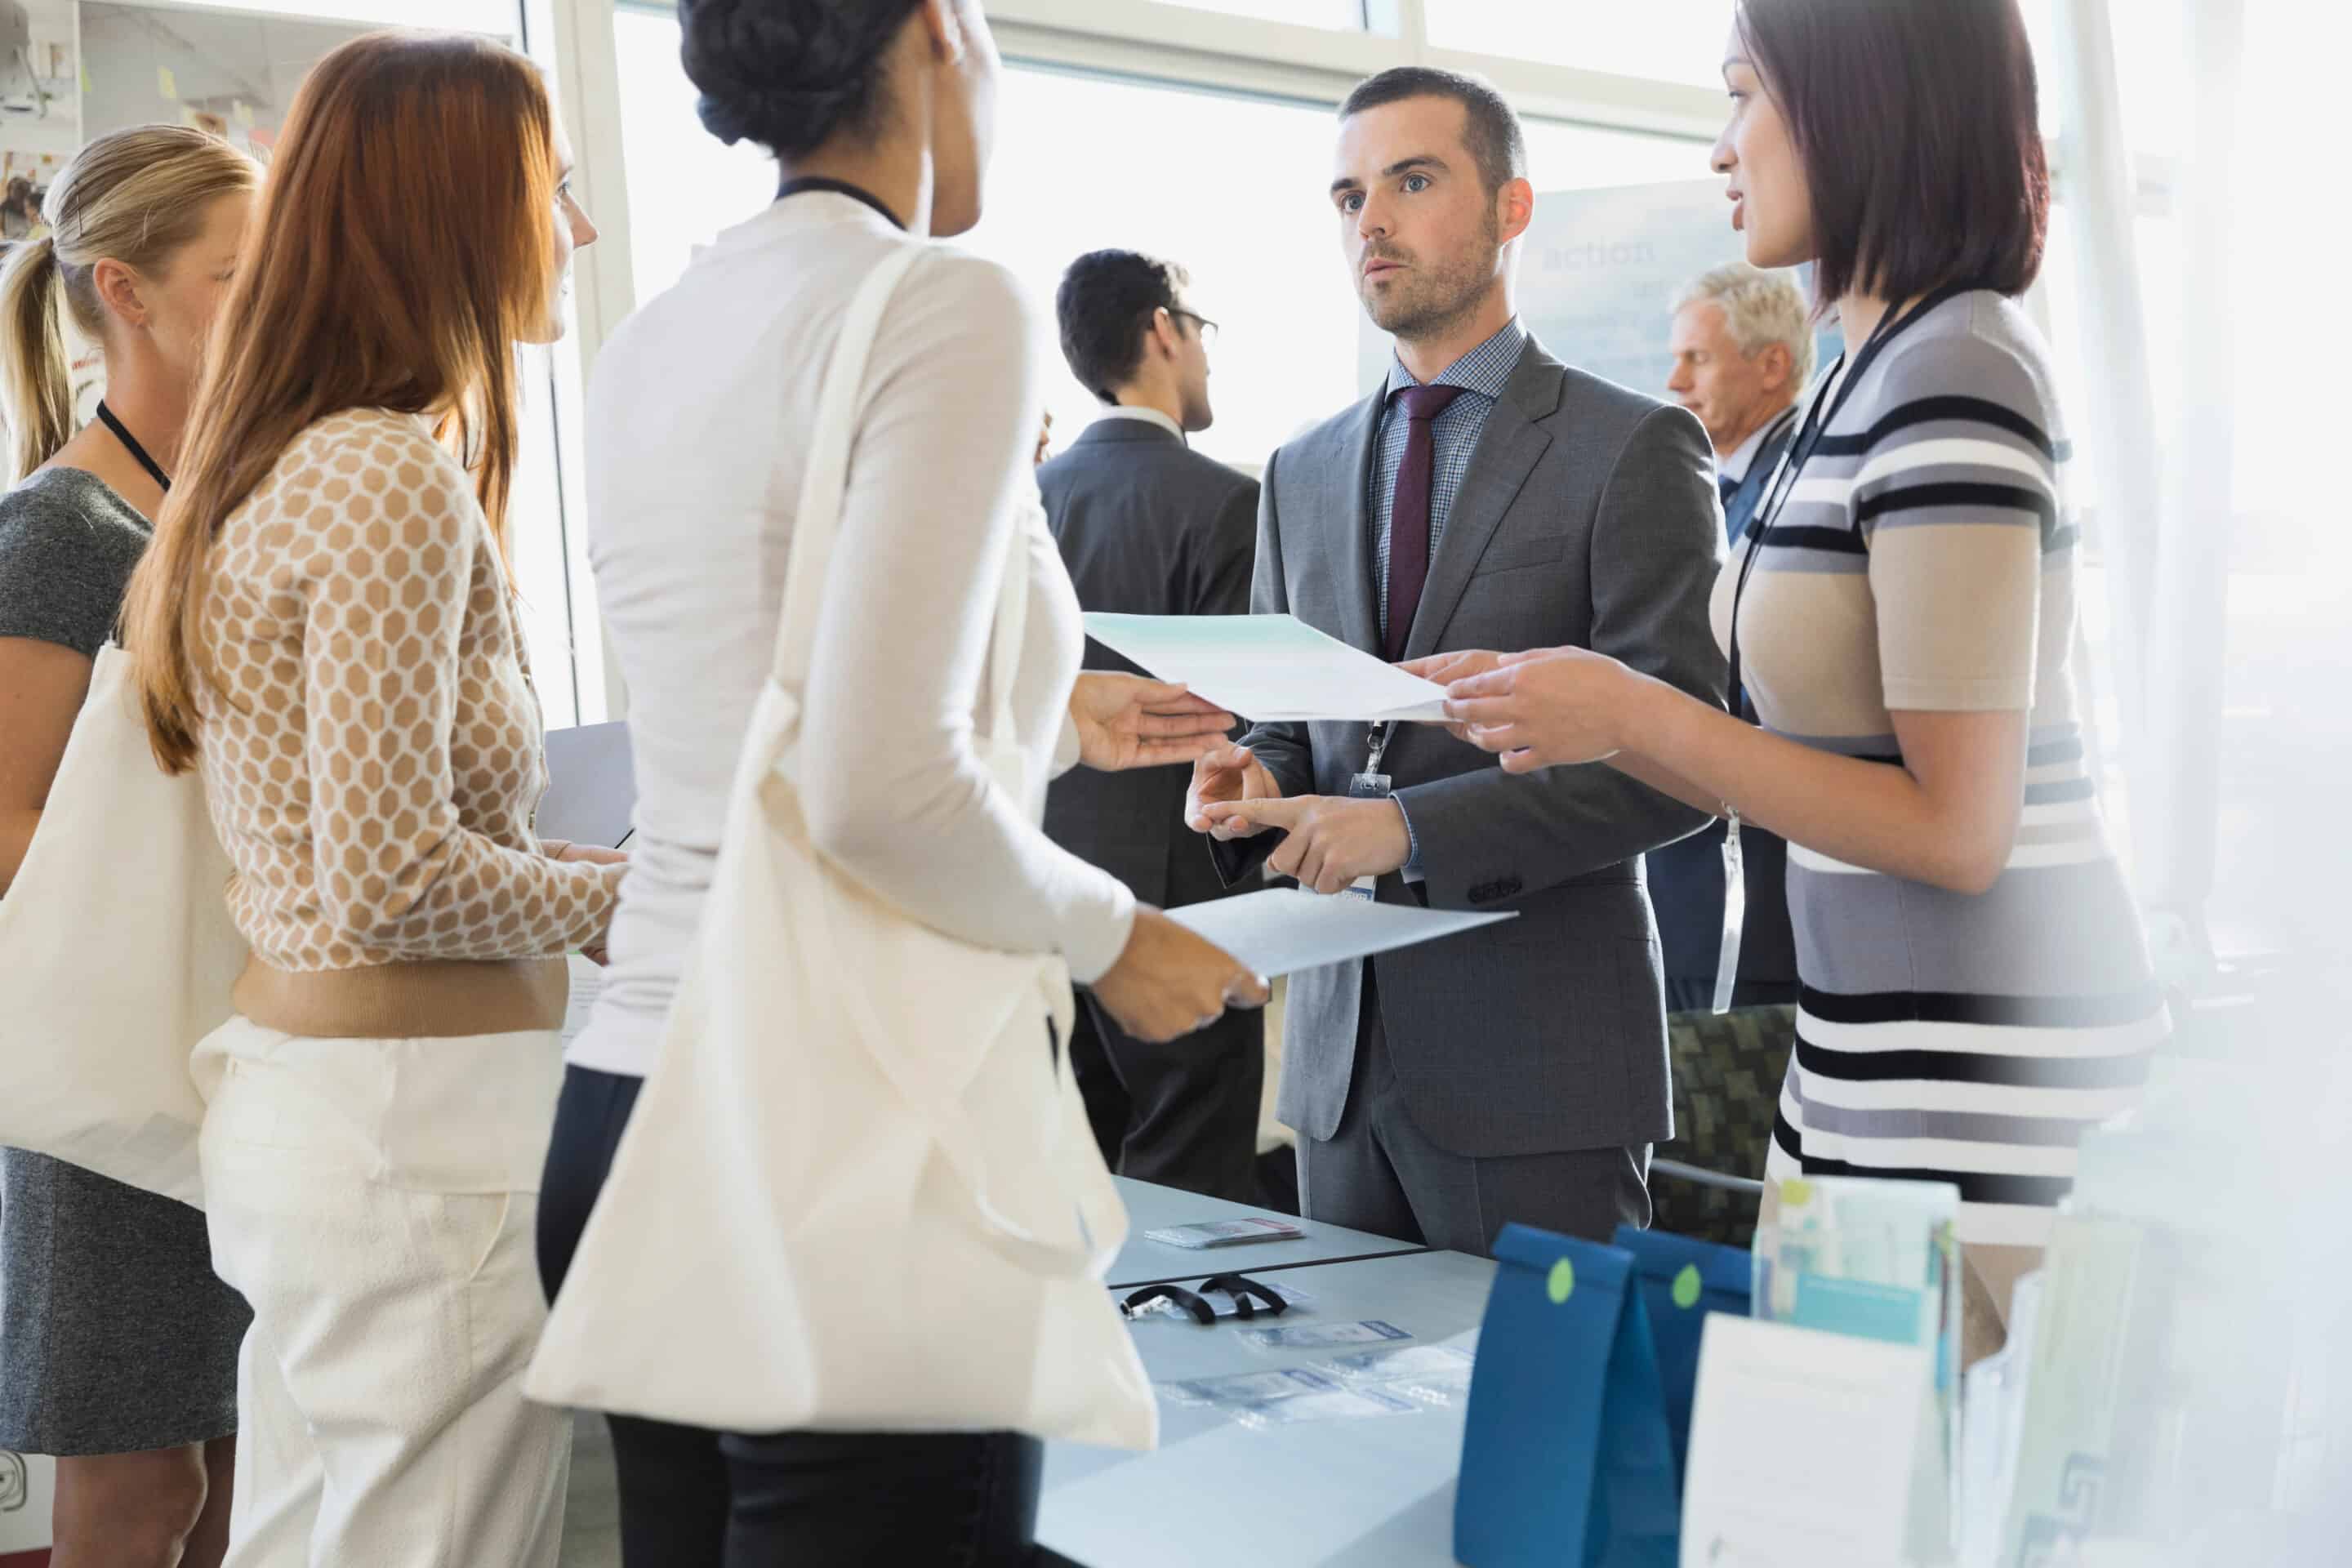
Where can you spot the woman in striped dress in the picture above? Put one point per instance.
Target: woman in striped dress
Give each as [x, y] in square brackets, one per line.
[1975, 991]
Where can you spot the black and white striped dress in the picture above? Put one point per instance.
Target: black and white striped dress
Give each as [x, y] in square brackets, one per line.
[1924, 562]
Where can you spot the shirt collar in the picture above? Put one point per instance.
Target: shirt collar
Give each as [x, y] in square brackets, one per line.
[1485, 369]
[1150, 417]
[1743, 456]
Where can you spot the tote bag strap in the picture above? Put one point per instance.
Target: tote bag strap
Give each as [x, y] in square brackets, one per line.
[815, 528]
[816, 524]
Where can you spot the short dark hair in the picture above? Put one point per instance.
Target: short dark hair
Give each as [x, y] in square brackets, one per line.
[1918, 128]
[1492, 132]
[1105, 303]
[790, 75]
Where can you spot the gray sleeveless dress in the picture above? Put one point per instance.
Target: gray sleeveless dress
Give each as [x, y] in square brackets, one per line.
[115, 1336]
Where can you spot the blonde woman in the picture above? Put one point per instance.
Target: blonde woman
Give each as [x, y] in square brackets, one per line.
[118, 1346]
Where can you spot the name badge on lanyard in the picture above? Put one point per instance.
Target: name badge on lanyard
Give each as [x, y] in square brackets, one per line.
[1735, 919]
[1371, 785]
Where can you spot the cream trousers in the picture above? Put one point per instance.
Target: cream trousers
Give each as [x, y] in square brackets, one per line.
[374, 1200]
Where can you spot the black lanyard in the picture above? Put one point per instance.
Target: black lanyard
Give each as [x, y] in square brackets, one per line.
[131, 444]
[1808, 436]
[839, 188]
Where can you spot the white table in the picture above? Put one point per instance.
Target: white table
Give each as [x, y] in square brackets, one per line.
[1143, 1262]
[1375, 1493]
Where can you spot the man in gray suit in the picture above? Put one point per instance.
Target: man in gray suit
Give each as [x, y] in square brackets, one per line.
[1487, 497]
[1147, 526]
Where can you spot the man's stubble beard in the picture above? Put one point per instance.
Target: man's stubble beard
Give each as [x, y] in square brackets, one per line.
[1453, 295]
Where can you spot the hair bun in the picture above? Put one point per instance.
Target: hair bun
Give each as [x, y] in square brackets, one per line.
[787, 74]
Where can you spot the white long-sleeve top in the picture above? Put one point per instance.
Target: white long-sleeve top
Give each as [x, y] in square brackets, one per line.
[698, 432]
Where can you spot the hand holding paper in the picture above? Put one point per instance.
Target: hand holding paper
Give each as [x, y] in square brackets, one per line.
[1544, 707]
[1124, 721]
[1169, 981]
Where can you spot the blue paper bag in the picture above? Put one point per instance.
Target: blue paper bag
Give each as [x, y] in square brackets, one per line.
[1680, 1281]
[1567, 1459]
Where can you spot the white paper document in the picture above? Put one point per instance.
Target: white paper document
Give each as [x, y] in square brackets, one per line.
[592, 785]
[1810, 1449]
[1270, 667]
[1285, 930]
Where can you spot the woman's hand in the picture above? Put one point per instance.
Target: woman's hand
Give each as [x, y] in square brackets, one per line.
[1546, 707]
[590, 855]
[1445, 668]
[1170, 982]
[1126, 721]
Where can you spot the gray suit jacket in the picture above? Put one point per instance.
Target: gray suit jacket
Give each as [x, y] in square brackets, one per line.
[1589, 515]
[1147, 527]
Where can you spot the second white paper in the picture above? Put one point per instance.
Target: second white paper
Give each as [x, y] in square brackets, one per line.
[1285, 930]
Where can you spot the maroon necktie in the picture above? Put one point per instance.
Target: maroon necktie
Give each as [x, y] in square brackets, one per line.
[1409, 518]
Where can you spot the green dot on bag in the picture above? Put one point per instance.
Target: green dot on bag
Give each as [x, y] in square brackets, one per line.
[1562, 1284]
[1687, 1287]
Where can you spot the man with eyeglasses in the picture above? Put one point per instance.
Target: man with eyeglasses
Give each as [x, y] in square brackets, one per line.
[1147, 526]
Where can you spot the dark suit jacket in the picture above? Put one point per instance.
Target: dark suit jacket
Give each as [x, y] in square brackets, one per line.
[1589, 515]
[1686, 878]
[1147, 527]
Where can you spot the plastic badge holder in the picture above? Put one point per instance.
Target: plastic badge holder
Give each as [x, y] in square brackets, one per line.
[1323, 1336]
[1680, 1281]
[1242, 1388]
[1434, 1374]
[1340, 1405]
[1567, 1459]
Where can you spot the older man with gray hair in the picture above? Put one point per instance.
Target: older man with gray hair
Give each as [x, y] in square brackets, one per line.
[1742, 346]
[1743, 350]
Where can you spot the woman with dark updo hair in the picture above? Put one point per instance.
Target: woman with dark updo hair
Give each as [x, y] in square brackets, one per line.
[701, 423]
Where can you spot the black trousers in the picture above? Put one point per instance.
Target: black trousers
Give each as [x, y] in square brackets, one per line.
[697, 1499]
[1184, 1114]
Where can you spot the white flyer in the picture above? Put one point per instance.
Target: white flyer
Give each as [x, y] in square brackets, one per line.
[1270, 667]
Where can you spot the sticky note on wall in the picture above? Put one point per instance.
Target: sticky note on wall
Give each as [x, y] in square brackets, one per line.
[166, 84]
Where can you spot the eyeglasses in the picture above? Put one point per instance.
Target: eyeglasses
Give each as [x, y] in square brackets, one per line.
[1207, 327]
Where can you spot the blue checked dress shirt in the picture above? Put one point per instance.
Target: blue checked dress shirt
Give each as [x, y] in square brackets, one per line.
[1482, 374]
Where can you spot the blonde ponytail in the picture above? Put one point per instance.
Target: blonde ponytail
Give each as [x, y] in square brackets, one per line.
[36, 383]
[136, 196]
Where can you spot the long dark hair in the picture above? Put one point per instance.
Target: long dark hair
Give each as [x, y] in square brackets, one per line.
[1919, 131]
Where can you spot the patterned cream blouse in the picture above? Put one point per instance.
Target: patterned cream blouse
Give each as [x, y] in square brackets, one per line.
[373, 752]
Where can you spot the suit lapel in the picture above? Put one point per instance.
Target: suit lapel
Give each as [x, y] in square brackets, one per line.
[1506, 453]
[1352, 476]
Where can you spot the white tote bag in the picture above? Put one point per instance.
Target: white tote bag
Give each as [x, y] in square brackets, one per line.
[116, 956]
[856, 1193]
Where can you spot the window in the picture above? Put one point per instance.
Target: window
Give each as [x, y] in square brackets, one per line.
[1231, 188]
[1566, 157]
[1347, 15]
[1668, 40]
[233, 68]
